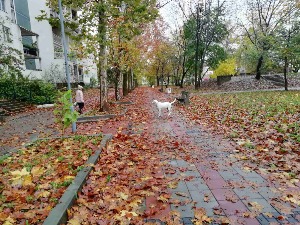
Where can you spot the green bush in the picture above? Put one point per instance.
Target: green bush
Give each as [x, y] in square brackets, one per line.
[22, 89]
[225, 68]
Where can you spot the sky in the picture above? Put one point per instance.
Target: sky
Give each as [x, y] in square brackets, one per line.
[173, 15]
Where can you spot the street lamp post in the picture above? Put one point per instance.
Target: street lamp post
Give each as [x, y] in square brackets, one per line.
[66, 57]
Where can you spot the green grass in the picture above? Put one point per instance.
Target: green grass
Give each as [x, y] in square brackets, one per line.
[277, 110]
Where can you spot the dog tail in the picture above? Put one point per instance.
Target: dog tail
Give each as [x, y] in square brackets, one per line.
[173, 101]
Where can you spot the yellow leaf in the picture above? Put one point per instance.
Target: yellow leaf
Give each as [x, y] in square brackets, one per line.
[173, 185]
[17, 181]
[135, 203]
[122, 195]
[44, 194]
[9, 221]
[23, 172]
[244, 158]
[162, 198]
[146, 178]
[74, 222]
[130, 164]
[27, 180]
[68, 178]
[37, 171]
[124, 212]
[247, 169]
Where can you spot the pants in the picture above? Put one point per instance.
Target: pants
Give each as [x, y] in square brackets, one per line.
[80, 105]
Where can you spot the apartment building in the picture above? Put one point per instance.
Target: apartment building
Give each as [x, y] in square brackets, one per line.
[40, 43]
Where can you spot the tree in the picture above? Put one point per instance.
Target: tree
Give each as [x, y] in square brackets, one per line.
[11, 61]
[288, 39]
[204, 28]
[264, 19]
[132, 17]
[152, 43]
[99, 21]
[227, 67]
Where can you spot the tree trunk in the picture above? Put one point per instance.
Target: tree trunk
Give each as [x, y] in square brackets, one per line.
[258, 68]
[102, 64]
[129, 80]
[197, 51]
[183, 71]
[125, 83]
[286, 65]
[117, 83]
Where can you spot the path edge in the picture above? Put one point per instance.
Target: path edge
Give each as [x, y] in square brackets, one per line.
[58, 215]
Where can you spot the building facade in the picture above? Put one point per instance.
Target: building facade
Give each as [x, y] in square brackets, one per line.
[40, 43]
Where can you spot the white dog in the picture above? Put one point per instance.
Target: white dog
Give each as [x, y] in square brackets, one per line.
[163, 105]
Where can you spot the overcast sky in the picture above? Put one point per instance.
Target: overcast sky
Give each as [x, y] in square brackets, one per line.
[173, 15]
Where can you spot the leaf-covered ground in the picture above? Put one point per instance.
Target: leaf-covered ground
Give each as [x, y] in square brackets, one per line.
[33, 179]
[265, 125]
[135, 168]
[131, 169]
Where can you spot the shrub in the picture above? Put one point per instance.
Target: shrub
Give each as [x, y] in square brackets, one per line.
[227, 67]
[23, 89]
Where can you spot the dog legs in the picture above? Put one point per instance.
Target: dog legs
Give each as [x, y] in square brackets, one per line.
[169, 109]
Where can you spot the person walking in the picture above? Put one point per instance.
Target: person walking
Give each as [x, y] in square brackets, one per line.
[79, 98]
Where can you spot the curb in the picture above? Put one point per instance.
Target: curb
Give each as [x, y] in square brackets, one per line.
[123, 103]
[58, 215]
[87, 119]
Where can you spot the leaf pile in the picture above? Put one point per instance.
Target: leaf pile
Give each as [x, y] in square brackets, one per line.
[33, 180]
[265, 126]
[128, 171]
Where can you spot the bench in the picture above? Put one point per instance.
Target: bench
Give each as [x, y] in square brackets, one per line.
[184, 98]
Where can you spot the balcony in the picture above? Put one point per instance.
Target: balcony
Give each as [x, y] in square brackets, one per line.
[30, 52]
[58, 55]
[57, 40]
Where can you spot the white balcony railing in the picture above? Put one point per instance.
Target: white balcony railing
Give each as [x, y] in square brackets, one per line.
[57, 40]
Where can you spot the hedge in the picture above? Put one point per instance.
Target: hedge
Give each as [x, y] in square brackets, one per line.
[32, 91]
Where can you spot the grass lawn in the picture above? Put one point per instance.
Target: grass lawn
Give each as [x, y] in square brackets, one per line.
[265, 125]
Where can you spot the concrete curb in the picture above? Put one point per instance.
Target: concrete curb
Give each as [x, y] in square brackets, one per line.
[124, 103]
[58, 214]
[86, 119]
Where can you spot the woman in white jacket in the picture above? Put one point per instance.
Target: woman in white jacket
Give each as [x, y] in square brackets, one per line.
[79, 98]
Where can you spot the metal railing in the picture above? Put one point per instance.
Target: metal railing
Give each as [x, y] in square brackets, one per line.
[57, 40]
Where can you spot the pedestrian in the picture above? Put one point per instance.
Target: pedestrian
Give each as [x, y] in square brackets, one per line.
[79, 98]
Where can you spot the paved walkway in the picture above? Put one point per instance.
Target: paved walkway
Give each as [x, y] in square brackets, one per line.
[24, 128]
[213, 179]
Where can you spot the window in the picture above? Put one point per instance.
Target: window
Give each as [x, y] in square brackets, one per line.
[80, 73]
[74, 14]
[6, 34]
[2, 5]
